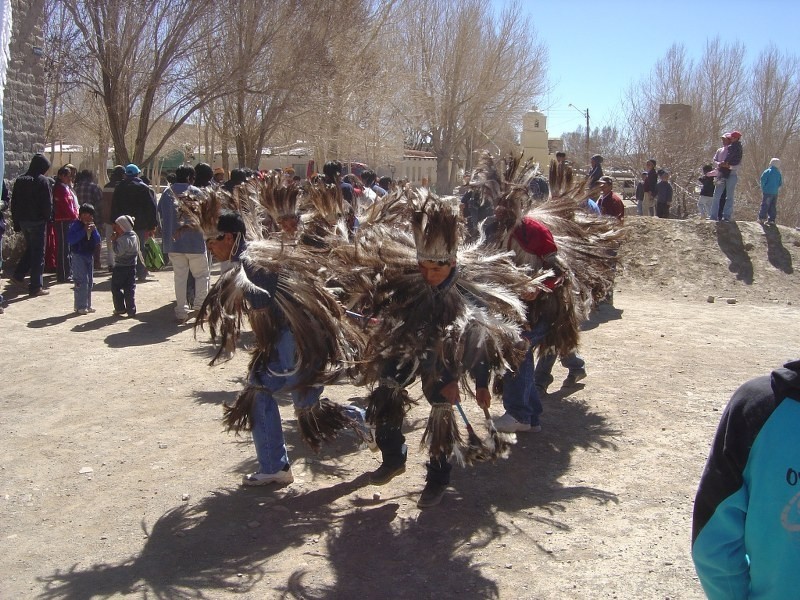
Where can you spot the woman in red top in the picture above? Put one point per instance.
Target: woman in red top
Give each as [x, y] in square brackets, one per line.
[65, 209]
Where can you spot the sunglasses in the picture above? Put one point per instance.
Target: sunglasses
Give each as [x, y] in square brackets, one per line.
[215, 239]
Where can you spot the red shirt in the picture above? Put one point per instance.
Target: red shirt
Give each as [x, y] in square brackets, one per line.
[65, 203]
[612, 206]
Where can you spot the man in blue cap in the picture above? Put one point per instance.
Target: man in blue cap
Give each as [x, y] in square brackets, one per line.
[133, 197]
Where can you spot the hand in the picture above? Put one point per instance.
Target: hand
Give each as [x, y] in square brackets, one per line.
[530, 295]
[484, 397]
[450, 392]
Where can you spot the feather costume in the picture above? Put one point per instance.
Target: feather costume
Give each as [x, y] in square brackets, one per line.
[473, 322]
[586, 244]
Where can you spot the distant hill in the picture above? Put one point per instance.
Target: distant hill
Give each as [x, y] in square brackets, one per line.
[697, 259]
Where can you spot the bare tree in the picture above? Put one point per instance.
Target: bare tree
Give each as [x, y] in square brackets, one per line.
[143, 53]
[469, 73]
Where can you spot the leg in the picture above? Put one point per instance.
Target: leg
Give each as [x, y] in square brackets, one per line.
[141, 268]
[543, 373]
[268, 434]
[81, 267]
[180, 268]
[772, 211]
[199, 267]
[762, 212]
[129, 289]
[63, 262]
[24, 264]
[109, 230]
[730, 188]
[517, 391]
[36, 239]
[719, 189]
[117, 287]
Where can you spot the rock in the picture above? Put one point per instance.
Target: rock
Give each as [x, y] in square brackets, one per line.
[185, 497]
[86, 470]
[731, 300]
[376, 496]
[710, 299]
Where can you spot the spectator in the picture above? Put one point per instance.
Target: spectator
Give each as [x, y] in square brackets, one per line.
[610, 203]
[771, 181]
[126, 255]
[117, 175]
[385, 183]
[663, 195]
[560, 179]
[65, 212]
[728, 175]
[595, 172]
[369, 178]
[219, 176]
[83, 238]
[203, 175]
[237, 176]
[186, 247]
[650, 189]
[745, 527]
[132, 197]
[706, 198]
[88, 192]
[639, 194]
[333, 174]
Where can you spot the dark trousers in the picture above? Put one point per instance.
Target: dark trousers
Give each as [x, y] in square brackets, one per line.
[123, 289]
[391, 441]
[63, 253]
[662, 210]
[32, 259]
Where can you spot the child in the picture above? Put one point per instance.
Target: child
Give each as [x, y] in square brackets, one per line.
[663, 194]
[83, 238]
[706, 192]
[123, 277]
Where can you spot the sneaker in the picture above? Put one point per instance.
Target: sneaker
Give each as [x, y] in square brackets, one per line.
[82, 311]
[283, 476]
[508, 424]
[431, 495]
[761, 221]
[91, 310]
[536, 428]
[384, 474]
[39, 292]
[573, 378]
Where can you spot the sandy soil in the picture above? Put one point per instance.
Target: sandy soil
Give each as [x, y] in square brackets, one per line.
[117, 479]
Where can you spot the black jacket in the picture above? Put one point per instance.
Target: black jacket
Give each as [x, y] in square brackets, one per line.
[32, 198]
[134, 198]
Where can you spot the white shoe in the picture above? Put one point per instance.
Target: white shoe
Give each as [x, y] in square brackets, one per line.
[267, 478]
[508, 424]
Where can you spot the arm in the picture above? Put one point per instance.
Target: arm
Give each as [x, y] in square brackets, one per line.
[76, 232]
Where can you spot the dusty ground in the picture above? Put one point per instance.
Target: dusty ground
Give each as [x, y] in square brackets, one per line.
[117, 479]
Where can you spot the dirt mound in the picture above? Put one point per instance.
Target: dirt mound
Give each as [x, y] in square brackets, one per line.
[696, 259]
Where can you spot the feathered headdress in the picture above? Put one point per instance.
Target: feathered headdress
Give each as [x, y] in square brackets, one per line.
[436, 226]
[277, 198]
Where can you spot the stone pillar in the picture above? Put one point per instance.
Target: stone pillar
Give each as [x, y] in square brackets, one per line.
[24, 105]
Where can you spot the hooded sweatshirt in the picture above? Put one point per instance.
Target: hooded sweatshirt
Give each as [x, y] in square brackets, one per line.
[746, 526]
[32, 199]
[771, 179]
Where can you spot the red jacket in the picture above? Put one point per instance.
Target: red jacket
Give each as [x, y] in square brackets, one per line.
[65, 203]
[534, 237]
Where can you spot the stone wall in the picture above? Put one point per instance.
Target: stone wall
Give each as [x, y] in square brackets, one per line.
[24, 104]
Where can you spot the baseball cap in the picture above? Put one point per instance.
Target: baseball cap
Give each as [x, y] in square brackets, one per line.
[735, 135]
[132, 170]
[606, 179]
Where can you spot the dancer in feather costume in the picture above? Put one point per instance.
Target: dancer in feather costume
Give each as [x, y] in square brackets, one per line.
[302, 341]
[443, 314]
[576, 249]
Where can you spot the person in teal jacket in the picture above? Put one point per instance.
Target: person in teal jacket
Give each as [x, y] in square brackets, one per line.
[746, 525]
[771, 182]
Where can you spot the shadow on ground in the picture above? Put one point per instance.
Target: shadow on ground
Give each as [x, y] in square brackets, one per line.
[224, 543]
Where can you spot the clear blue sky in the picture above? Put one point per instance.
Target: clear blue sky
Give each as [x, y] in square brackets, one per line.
[596, 49]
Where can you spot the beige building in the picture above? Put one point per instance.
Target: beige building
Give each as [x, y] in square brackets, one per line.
[534, 138]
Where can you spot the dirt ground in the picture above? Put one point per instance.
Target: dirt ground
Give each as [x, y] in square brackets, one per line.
[117, 479]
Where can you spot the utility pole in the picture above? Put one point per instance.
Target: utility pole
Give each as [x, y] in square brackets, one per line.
[585, 113]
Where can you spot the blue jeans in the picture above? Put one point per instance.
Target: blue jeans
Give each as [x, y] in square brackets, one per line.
[769, 207]
[266, 418]
[728, 186]
[520, 397]
[32, 259]
[83, 277]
